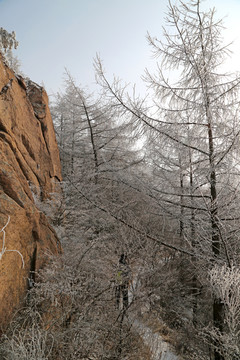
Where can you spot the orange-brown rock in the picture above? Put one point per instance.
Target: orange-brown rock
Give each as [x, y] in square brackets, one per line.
[29, 173]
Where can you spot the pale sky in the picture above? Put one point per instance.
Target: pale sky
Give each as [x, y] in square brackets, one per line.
[54, 34]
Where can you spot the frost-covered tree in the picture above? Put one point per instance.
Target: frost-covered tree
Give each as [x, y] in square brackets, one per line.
[96, 153]
[13, 62]
[193, 134]
[98, 156]
[7, 40]
[225, 283]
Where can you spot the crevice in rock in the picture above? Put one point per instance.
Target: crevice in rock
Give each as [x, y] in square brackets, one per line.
[44, 128]
[22, 167]
[35, 235]
[15, 151]
[4, 135]
[35, 96]
[6, 185]
[28, 147]
[3, 128]
[54, 177]
[32, 272]
[55, 241]
[21, 81]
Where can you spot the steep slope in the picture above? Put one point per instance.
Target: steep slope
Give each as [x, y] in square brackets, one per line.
[29, 170]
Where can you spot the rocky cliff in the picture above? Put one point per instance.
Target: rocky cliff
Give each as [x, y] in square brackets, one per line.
[29, 173]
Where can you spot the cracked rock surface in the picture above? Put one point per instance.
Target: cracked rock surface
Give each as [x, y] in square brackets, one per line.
[29, 159]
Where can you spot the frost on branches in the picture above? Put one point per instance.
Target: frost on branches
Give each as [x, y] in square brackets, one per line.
[225, 283]
[7, 40]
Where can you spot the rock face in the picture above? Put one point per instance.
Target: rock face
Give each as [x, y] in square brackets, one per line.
[29, 173]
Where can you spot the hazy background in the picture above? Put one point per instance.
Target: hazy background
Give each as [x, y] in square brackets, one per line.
[54, 34]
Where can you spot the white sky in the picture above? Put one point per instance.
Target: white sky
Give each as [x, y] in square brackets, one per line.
[54, 34]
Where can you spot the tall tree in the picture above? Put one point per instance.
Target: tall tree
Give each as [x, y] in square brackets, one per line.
[98, 155]
[193, 129]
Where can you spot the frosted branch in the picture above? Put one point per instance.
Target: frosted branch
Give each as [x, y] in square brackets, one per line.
[4, 248]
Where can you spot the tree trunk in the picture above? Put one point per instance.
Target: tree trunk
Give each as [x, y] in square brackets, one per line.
[218, 311]
[195, 290]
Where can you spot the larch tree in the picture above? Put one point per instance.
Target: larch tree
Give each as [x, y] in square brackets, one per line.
[94, 147]
[193, 130]
[98, 156]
